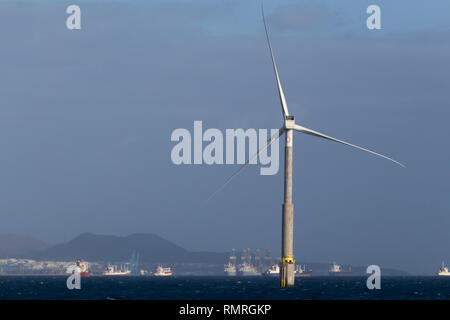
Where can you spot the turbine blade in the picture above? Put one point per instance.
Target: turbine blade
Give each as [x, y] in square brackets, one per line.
[280, 89]
[321, 135]
[269, 142]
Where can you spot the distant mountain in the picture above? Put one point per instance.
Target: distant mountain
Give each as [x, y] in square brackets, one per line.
[151, 248]
[13, 245]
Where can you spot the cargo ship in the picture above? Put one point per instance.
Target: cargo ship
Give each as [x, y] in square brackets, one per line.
[443, 271]
[163, 272]
[113, 271]
[337, 271]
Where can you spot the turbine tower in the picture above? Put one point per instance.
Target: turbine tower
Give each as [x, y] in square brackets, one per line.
[287, 263]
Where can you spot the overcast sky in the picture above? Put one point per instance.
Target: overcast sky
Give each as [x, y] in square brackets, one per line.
[86, 118]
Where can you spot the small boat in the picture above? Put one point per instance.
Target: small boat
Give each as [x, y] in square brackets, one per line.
[273, 271]
[84, 268]
[111, 270]
[337, 271]
[443, 271]
[247, 269]
[230, 269]
[300, 271]
[163, 272]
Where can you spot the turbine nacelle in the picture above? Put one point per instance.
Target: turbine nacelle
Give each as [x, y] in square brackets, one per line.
[289, 123]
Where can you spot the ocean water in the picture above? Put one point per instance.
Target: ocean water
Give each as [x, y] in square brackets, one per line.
[222, 288]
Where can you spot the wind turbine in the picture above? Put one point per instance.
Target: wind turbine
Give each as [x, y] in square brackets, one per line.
[287, 263]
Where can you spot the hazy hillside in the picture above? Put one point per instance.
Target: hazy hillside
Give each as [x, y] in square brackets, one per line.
[152, 249]
[12, 245]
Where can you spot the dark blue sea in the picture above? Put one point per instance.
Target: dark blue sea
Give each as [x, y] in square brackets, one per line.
[221, 288]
